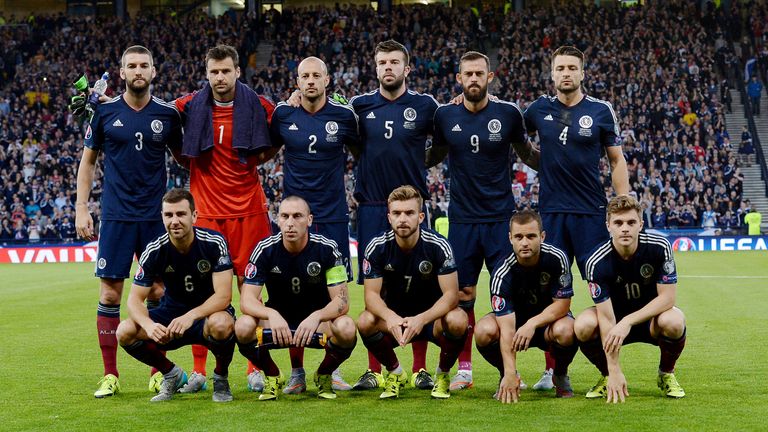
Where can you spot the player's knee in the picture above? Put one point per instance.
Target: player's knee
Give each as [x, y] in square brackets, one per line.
[245, 327]
[562, 331]
[365, 323]
[344, 330]
[456, 322]
[671, 323]
[585, 326]
[126, 332]
[110, 291]
[486, 331]
[220, 325]
[467, 296]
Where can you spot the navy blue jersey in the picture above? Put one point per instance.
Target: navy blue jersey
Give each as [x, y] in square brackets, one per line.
[630, 284]
[133, 143]
[527, 291]
[479, 150]
[410, 284]
[315, 160]
[394, 136]
[297, 285]
[188, 278]
[572, 141]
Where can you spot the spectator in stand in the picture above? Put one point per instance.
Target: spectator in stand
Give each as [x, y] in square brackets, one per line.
[754, 91]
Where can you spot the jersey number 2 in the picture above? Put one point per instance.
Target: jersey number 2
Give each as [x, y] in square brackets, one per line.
[312, 142]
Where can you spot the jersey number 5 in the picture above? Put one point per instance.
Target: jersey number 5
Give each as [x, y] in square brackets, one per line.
[388, 127]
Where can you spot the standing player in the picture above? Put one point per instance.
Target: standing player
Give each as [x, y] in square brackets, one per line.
[531, 296]
[574, 131]
[133, 131]
[477, 135]
[314, 135]
[394, 125]
[411, 293]
[195, 267]
[306, 282]
[225, 134]
[633, 281]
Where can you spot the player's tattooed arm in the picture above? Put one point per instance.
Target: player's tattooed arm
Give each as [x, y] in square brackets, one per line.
[344, 298]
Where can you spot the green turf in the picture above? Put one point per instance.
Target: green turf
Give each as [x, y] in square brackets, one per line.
[50, 364]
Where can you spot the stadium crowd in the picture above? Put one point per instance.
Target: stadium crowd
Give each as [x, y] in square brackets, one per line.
[655, 65]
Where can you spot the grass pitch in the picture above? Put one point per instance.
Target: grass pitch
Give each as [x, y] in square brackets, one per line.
[50, 364]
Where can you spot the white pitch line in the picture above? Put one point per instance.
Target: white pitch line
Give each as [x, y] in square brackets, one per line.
[721, 276]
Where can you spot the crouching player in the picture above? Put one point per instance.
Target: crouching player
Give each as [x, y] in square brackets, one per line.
[531, 297]
[632, 279]
[195, 267]
[306, 281]
[411, 293]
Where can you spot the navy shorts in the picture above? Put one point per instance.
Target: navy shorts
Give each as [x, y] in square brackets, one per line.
[119, 241]
[475, 243]
[575, 234]
[338, 232]
[164, 314]
[371, 222]
[640, 333]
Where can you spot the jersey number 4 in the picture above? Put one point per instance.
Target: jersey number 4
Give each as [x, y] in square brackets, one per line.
[563, 135]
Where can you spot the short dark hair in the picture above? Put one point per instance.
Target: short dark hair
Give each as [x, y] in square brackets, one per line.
[474, 55]
[525, 216]
[392, 45]
[297, 198]
[177, 195]
[136, 49]
[222, 52]
[568, 50]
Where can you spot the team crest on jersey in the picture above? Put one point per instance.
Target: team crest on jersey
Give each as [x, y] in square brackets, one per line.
[544, 278]
[203, 266]
[646, 271]
[102, 263]
[313, 268]
[566, 280]
[594, 290]
[140, 273]
[410, 114]
[585, 121]
[332, 127]
[250, 271]
[88, 132]
[494, 126]
[669, 266]
[366, 267]
[157, 126]
[498, 303]
[425, 267]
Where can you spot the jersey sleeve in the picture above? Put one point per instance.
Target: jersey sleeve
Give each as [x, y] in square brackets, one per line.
[501, 291]
[610, 133]
[562, 287]
[519, 134]
[269, 107]
[529, 116]
[94, 133]
[333, 265]
[221, 253]
[438, 137]
[175, 140]
[257, 269]
[447, 264]
[353, 138]
[668, 270]
[274, 127]
[147, 271]
[373, 263]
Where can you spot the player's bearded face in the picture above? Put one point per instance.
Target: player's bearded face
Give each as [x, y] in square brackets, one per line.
[474, 78]
[404, 217]
[138, 72]
[222, 76]
[391, 70]
[567, 73]
[526, 239]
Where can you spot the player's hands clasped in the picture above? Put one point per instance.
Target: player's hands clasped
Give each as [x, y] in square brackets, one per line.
[84, 222]
[616, 336]
[395, 327]
[509, 389]
[616, 388]
[413, 326]
[304, 332]
[281, 333]
[523, 336]
[158, 333]
[179, 325]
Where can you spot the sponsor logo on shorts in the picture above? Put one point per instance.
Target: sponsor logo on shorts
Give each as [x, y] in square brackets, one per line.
[102, 263]
[594, 290]
[497, 303]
